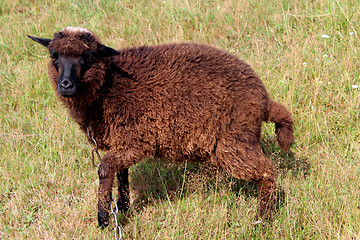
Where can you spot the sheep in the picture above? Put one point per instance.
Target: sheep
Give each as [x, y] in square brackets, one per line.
[182, 102]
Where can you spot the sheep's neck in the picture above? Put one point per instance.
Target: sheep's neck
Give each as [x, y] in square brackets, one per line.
[81, 115]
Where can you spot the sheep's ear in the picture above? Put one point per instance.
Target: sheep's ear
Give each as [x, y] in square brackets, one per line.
[43, 41]
[105, 51]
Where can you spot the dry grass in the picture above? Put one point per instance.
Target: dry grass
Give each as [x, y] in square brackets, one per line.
[48, 187]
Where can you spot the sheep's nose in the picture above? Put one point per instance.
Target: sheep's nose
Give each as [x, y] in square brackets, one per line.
[66, 84]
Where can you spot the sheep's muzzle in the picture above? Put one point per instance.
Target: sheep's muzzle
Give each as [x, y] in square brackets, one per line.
[68, 82]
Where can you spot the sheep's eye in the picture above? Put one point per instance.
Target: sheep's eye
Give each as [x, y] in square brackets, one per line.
[86, 61]
[87, 58]
[55, 58]
[54, 55]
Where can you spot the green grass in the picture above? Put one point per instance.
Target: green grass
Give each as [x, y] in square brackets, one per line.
[48, 187]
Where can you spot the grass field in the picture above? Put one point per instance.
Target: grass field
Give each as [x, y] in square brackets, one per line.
[306, 53]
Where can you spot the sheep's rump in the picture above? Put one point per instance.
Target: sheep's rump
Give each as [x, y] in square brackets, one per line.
[177, 101]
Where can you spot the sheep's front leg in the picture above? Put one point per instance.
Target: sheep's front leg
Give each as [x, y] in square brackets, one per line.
[106, 173]
[123, 190]
[112, 162]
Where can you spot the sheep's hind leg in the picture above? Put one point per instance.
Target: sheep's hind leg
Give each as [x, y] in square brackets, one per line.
[246, 161]
[266, 188]
[123, 190]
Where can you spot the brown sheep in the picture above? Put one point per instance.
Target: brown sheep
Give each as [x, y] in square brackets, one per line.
[182, 102]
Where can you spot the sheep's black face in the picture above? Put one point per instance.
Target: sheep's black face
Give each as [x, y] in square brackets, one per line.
[68, 83]
[71, 69]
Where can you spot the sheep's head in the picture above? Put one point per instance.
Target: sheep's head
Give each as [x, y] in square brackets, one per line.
[73, 51]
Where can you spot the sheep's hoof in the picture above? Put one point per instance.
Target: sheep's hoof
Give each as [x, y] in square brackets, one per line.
[122, 206]
[259, 222]
[103, 219]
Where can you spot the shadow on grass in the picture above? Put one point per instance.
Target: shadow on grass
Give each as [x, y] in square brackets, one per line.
[153, 179]
[299, 166]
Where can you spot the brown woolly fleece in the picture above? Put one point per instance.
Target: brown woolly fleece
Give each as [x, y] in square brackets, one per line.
[182, 102]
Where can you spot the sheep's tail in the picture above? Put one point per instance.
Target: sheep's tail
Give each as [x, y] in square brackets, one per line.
[281, 116]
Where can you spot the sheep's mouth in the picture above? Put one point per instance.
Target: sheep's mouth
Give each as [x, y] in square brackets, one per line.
[67, 92]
